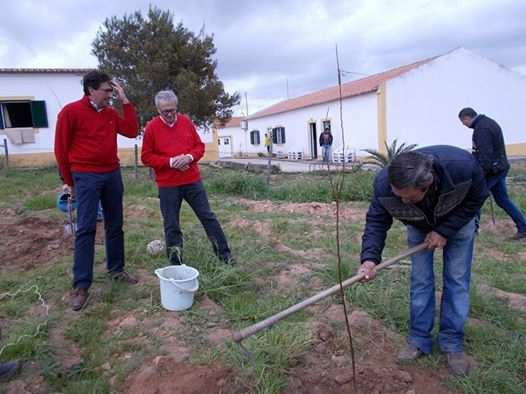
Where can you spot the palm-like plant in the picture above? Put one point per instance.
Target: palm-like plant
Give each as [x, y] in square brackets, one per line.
[383, 159]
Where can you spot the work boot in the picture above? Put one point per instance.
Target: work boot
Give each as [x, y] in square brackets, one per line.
[518, 236]
[124, 277]
[457, 363]
[9, 370]
[409, 353]
[78, 298]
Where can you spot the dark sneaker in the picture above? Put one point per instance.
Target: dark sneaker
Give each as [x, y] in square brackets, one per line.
[518, 236]
[78, 299]
[9, 370]
[228, 259]
[123, 277]
[409, 353]
[457, 363]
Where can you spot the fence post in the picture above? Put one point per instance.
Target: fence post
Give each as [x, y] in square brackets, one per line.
[6, 152]
[136, 161]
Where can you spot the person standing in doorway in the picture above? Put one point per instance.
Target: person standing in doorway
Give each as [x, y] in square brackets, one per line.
[172, 148]
[490, 152]
[86, 154]
[268, 143]
[326, 143]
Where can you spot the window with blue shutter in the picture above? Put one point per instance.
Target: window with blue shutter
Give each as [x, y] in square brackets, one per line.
[39, 113]
[254, 137]
[278, 135]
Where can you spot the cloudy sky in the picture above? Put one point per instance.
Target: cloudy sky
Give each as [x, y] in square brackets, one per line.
[266, 45]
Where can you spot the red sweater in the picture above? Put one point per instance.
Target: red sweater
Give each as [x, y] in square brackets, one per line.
[86, 140]
[162, 142]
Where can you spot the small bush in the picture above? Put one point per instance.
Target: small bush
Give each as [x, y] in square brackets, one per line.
[238, 183]
[40, 202]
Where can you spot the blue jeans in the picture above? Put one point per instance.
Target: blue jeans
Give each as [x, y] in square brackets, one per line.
[497, 186]
[171, 199]
[326, 153]
[454, 308]
[90, 188]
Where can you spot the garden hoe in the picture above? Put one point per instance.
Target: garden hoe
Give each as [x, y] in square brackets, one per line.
[238, 336]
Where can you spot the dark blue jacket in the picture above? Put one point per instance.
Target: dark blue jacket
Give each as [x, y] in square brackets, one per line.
[488, 146]
[460, 192]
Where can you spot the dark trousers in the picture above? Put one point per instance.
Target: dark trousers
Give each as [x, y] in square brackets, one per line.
[497, 186]
[195, 195]
[90, 188]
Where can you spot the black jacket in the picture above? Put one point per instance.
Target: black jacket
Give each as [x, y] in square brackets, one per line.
[459, 192]
[322, 139]
[488, 146]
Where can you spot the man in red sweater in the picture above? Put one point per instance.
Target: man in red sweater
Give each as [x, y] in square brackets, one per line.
[86, 154]
[172, 147]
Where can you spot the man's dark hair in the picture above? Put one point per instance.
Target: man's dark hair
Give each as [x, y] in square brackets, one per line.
[93, 80]
[469, 112]
[411, 169]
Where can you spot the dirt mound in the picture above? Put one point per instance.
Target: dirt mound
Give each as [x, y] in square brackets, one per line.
[32, 241]
[514, 300]
[314, 209]
[165, 375]
[327, 367]
[260, 227]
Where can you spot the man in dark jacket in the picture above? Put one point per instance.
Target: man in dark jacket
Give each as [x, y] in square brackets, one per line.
[436, 192]
[489, 150]
[326, 143]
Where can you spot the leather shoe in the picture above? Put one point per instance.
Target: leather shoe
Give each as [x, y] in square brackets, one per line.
[518, 236]
[124, 277]
[78, 298]
[409, 353]
[457, 363]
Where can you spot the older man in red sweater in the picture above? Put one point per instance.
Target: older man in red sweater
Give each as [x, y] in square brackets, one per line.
[172, 148]
[86, 154]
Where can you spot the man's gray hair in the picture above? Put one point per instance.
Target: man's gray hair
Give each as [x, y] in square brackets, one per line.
[411, 169]
[165, 95]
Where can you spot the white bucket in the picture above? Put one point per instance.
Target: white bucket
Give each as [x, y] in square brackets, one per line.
[178, 285]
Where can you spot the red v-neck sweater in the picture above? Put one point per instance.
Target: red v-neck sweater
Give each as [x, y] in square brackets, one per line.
[86, 140]
[162, 142]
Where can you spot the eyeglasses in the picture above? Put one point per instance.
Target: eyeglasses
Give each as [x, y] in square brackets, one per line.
[107, 90]
[168, 111]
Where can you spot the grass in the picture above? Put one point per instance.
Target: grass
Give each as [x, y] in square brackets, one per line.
[247, 292]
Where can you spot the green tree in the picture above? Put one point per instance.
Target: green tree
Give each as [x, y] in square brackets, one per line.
[150, 54]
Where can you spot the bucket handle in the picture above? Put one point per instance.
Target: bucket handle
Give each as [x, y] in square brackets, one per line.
[173, 282]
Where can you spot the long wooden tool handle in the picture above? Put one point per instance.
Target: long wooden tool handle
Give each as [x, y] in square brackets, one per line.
[238, 336]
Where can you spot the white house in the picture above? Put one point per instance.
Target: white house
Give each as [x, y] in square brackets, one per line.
[30, 100]
[232, 138]
[417, 104]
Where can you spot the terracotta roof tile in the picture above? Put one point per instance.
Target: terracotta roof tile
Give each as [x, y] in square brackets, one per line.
[349, 89]
[234, 121]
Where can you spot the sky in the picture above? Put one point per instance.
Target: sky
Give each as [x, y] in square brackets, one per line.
[272, 50]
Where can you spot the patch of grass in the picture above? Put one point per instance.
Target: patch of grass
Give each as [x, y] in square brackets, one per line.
[272, 352]
[40, 202]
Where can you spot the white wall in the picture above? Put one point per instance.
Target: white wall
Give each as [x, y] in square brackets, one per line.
[423, 104]
[239, 144]
[57, 90]
[359, 117]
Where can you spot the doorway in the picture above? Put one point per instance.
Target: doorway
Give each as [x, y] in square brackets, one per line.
[313, 138]
[225, 146]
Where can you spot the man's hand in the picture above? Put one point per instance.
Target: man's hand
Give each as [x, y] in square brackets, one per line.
[68, 189]
[435, 240]
[181, 162]
[368, 269]
[120, 92]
